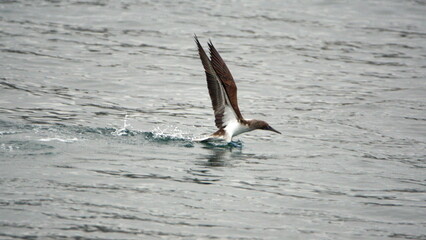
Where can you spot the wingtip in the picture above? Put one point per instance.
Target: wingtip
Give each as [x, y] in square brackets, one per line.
[210, 43]
[197, 42]
[211, 47]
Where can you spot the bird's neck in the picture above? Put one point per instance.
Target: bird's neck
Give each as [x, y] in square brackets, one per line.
[250, 123]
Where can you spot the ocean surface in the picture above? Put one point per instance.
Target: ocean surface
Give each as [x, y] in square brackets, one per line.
[100, 101]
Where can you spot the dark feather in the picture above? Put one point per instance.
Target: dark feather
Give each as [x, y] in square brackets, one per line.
[214, 85]
[225, 78]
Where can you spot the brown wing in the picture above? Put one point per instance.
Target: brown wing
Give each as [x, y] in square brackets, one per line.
[216, 90]
[226, 78]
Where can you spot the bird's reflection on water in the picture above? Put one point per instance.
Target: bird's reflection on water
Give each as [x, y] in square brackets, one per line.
[221, 154]
[217, 156]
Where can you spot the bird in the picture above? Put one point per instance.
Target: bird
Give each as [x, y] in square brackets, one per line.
[223, 95]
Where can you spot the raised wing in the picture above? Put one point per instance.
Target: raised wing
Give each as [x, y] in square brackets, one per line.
[222, 106]
[217, 93]
[225, 78]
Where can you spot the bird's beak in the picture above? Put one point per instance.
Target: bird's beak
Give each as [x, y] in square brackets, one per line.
[273, 130]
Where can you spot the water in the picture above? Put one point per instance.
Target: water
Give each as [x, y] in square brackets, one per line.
[100, 100]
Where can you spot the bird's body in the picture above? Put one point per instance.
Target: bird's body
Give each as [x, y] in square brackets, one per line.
[223, 94]
[233, 128]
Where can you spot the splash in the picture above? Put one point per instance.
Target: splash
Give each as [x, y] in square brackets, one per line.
[167, 134]
[170, 133]
[123, 131]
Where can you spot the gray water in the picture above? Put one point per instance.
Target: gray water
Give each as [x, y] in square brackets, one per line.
[100, 100]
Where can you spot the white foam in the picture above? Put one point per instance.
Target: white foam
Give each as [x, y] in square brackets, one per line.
[9, 148]
[58, 139]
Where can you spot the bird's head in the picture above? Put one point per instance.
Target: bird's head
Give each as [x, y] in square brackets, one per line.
[262, 125]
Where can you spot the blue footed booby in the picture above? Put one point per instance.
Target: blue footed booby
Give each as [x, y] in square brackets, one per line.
[223, 95]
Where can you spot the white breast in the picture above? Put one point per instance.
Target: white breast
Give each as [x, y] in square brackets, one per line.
[235, 128]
